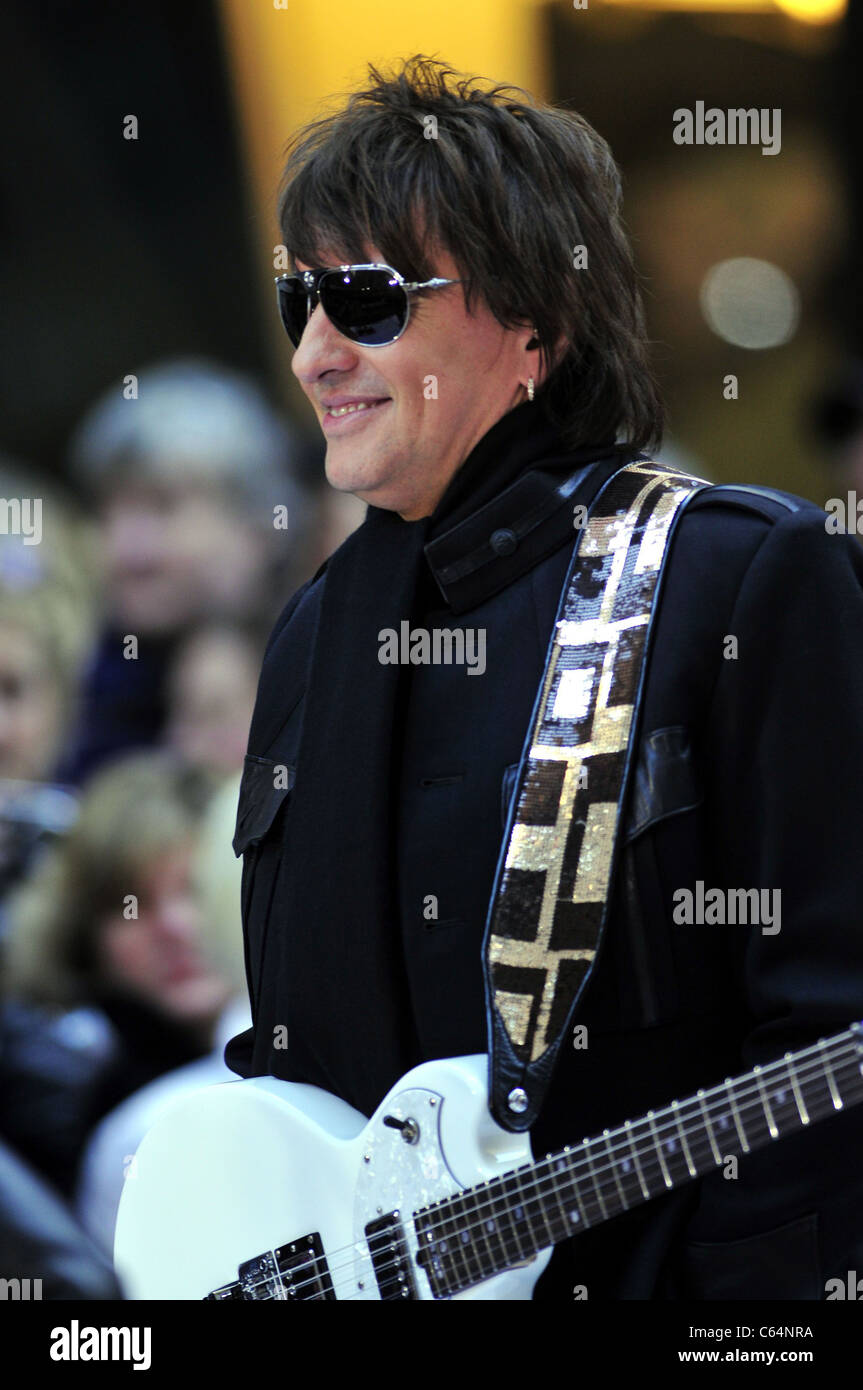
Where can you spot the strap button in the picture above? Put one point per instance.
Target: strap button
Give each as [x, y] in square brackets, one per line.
[517, 1100]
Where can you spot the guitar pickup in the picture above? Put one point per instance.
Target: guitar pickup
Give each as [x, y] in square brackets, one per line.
[390, 1258]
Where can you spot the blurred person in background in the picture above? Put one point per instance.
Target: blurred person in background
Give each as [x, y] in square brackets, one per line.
[106, 980]
[37, 685]
[210, 696]
[46, 601]
[109, 1157]
[48, 584]
[194, 486]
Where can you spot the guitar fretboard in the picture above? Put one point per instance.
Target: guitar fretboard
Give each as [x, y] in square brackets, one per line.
[482, 1230]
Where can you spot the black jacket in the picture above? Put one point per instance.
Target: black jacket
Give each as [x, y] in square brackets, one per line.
[748, 774]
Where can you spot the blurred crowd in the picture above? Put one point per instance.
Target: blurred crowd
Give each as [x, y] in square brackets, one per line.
[134, 609]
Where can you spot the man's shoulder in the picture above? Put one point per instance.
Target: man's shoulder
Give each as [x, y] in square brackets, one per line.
[728, 525]
[285, 665]
[749, 554]
[302, 605]
[772, 504]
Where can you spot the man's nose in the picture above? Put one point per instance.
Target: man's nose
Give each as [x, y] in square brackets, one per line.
[322, 349]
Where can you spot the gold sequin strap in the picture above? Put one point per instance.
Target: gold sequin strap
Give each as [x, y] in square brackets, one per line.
[555, 871]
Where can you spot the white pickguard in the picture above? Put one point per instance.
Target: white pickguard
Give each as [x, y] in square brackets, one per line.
[236, 1170]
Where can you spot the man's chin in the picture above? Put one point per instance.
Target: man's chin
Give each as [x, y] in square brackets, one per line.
[347, 475]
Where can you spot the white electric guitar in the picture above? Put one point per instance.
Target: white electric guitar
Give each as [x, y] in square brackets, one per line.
[264, 1189]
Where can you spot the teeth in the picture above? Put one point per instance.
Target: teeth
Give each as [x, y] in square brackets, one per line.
[349, 409]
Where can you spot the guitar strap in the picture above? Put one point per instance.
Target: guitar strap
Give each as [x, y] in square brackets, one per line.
[554, 875]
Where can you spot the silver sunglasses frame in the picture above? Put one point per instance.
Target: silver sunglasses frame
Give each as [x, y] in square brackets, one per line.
[313, 289]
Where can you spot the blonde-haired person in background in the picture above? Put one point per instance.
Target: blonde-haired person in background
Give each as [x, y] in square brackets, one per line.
[109, 1159]
[49, 585]
[107, 980]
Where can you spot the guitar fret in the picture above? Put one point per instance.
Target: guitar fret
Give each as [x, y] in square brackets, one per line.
[815, 1087]
[849, 1081]
[750, 1098]
[697, 1134]
[585, 1145]
[535, 1203]
[582, 1219]
[724, 1128]
[729, 1091]
[481, 1223]
[505, 1232]
[675, 1107]
[651, 1164]
[627, 1168]
[831, 1080]
[443, 1250]
[801, 1104]
[525, 1245]
[771, 1123]
[644, 1188]
[676, 1164]
[457, 1227]
[666, 1176]
[522, 1211]
[613, 1165]
[709, 1127]
[779, 1098]
[556, 1170]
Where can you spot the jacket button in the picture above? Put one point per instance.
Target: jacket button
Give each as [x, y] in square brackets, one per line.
[503, 542]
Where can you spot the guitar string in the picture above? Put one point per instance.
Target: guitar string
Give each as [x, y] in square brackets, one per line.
[478, 1275]
[592, 1173]
[556, 1221]
[576, 1162]
[575, 1159]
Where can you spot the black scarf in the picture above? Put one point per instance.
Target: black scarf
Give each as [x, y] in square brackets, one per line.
[337, 951]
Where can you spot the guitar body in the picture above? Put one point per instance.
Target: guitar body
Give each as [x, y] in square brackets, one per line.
[281, 1181]
[266, 1189]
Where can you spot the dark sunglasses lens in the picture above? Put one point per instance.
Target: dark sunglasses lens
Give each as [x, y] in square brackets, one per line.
[368, 306]
[293, 308]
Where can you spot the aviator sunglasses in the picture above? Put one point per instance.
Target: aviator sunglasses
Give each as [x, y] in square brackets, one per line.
[367, 303]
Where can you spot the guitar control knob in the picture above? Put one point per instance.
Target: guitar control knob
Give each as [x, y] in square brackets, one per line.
[410, 1130]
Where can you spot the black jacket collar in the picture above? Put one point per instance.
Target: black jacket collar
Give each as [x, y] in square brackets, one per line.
[511, 504]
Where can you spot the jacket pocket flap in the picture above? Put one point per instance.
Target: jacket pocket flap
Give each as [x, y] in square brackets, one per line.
[263, 789]
[664, 780]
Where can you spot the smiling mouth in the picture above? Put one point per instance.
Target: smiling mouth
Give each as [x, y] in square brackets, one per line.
[341, 410]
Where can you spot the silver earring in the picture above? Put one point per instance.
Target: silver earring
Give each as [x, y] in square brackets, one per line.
[530, 388]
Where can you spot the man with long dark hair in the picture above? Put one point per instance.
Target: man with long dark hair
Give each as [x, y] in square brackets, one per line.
[468, 329]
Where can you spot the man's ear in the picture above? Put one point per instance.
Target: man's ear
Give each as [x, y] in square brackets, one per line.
[532, 345]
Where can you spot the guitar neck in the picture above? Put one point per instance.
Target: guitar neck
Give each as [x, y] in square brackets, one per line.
[467, 1238]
